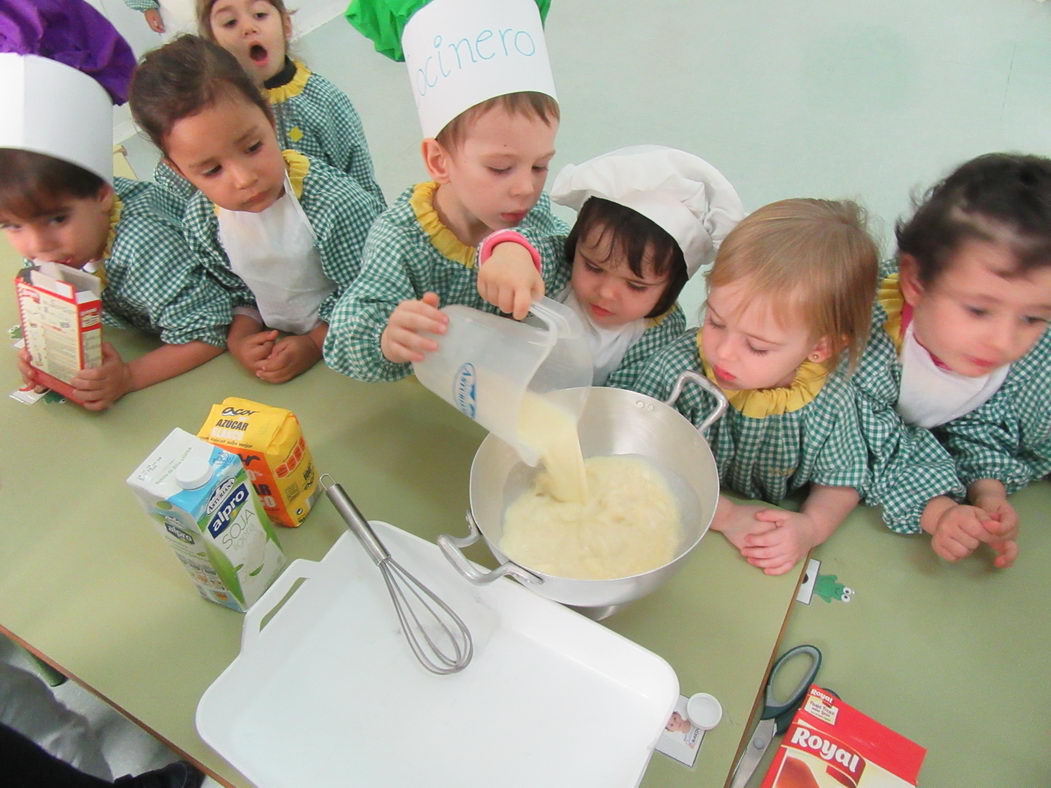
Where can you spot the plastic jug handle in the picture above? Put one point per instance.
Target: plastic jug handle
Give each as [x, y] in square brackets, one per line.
[702, 381]
[556, 318]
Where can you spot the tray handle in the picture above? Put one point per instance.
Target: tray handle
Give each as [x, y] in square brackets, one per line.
[450, 547]
[273, 599]
[707, 385]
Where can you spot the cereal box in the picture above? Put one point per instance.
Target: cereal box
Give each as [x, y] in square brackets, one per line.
[60, 309]
[830, 744]
[199, 497]
[275, 455]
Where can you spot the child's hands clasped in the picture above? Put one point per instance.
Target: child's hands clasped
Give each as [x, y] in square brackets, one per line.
[403, 340]
[958, 529]
[99, 387]
[509, 280]
[990, 496]
[769, 539]
[290, 356]
[253, 348]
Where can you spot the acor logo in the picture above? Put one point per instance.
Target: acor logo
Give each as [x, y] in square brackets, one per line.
[237, 412]
[465, 390]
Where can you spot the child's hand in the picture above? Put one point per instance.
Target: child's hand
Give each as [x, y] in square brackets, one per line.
[509, 280]
[291, 356]
[99, 387]
[777, 550]
[958, 531]
[737, 522]
[25, 369]
[990, 496]
[252, 349]
[402, 341]
[153, 19]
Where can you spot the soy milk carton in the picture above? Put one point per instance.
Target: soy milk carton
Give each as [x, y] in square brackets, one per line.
[270, 443]
[202, 502]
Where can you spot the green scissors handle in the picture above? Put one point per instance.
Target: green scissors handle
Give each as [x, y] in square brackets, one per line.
[783, 710]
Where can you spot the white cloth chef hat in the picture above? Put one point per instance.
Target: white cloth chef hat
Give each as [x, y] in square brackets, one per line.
[681, 193]
[461, 52]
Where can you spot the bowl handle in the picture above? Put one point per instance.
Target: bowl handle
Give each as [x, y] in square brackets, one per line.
[707, 385]
[450, 547]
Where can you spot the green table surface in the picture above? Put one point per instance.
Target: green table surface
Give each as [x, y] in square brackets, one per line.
[92, 589]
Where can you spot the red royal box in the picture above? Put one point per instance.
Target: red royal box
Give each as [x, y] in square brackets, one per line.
[830, 744]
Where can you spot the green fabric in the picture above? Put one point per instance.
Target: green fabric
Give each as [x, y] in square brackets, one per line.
[142, 5]
[654, 339]
[382, 21]
[400, 263]
[330, 130]
[768, 458]
[1009, 436]
[340, 213]
[153, 282]
[908, 464]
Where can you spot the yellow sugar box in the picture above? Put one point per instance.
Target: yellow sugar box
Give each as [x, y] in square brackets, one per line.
[270, 443]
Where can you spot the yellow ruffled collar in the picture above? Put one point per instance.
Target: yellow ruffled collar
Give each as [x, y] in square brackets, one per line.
[760, 403]
[442, 238]
[111, 236]
[297, 166]
[889, 296]
[292, 88]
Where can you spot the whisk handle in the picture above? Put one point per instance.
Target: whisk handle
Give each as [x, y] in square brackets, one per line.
[357, 523]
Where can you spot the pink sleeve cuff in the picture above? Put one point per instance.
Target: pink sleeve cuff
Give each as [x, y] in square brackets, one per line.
[507, 236]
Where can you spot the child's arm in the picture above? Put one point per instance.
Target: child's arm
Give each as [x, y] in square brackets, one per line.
[249, 342]
[509, 273]
[100, 387]
[293, 355]
[794, 534]
[150, 10]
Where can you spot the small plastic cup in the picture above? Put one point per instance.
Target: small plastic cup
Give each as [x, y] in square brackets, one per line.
[704, 711]
[486, 364]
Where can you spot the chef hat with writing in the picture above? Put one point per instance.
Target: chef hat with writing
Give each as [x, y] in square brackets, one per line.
[460, 53]
[62, 68]
[681, 193]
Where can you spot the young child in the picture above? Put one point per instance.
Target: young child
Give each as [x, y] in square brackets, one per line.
[789, 296]
[959, 343]
[167, 18]
[311, 114]
[649, 218]
[60, 203]
[489, 128]
[282, 231]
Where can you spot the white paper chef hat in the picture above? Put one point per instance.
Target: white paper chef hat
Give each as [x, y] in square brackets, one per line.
[461, 52]
[56, 110]
[681, 193]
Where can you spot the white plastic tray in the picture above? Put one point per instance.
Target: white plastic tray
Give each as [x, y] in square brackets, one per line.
[328, 693]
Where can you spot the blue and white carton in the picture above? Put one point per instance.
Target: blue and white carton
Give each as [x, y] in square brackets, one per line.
[202, 502]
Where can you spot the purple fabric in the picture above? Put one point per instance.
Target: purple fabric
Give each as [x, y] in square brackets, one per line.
[73, 33]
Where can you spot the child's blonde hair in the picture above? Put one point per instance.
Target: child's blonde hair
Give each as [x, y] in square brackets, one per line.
[814, 261]
[204, 16]
[529, 104]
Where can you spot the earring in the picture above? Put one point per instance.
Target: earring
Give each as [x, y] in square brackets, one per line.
[815, 357]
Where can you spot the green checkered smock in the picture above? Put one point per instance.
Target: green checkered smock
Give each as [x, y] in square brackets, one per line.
[908, 465]
[316, 118]
[410, 252]
[1009, 436]
[141, 5]
[153, 282]
[313, 117]
[340, 213]
[660, 332]
[809, 436]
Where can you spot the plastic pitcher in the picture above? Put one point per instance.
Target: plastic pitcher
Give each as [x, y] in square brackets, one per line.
[485, 364]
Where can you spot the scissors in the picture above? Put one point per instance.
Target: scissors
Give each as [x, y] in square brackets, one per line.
[777, 714]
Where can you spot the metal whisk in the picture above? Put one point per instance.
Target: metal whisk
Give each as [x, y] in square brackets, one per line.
[412, 599]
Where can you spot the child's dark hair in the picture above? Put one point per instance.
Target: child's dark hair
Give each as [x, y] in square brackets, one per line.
[34, 184]
[639, 239]
[204, 16]
[182, 78]
[998, 197]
